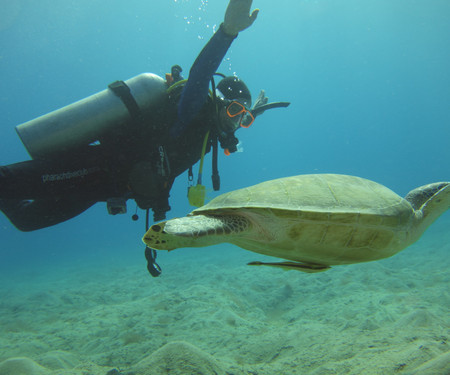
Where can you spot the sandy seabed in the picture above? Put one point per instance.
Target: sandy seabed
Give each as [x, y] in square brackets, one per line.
[209, 313]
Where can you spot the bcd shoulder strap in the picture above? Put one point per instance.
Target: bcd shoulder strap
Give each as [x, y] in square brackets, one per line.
[123, 92]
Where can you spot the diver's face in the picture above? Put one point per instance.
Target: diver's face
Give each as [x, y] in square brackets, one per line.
[228, 124]
[234, 114]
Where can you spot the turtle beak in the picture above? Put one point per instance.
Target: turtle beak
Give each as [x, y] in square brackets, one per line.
[153, 236]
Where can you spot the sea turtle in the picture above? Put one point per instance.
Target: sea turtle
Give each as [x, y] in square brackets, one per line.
[314, 221]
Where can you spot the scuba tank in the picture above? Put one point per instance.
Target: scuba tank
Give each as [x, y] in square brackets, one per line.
[82, 123]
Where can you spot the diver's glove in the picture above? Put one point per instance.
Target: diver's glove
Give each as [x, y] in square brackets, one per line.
[238, 17]
[261, 100]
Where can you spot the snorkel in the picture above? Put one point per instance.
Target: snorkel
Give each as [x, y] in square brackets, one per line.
[264, 107]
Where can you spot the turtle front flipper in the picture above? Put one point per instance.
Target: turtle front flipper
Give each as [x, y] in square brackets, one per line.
[303, 267]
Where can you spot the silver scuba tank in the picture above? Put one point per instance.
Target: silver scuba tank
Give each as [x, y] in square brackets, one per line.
[83, 122]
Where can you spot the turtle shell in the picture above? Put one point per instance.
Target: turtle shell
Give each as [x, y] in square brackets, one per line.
[315, 193]
[321, 219]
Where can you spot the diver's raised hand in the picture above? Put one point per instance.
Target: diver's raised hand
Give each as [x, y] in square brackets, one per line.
[238, 17]
[262, 99]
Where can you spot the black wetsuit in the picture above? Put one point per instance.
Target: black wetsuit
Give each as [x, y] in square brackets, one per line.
[36, 194]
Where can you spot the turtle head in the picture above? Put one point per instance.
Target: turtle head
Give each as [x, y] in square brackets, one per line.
[169, 235]
[429, 202]
[155, 237]
[194, 231]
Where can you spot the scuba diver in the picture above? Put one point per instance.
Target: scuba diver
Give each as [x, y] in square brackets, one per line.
[132, 140]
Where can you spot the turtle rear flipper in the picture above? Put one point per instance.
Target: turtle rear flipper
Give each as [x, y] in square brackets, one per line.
[303, 267]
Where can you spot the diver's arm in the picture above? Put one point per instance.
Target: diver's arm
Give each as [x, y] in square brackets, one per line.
[195, 92]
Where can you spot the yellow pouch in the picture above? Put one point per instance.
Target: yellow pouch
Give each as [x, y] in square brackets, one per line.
[196, 195]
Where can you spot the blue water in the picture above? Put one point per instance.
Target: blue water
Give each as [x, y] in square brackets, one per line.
[369, 83]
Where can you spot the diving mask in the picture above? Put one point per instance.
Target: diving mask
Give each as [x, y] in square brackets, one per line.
[235, 109]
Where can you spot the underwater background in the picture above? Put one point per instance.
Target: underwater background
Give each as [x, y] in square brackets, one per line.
[369, 86]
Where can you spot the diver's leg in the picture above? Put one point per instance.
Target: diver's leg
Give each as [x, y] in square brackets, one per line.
[24, 179]
[28, 215]
[36, 194]
[35, 179]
